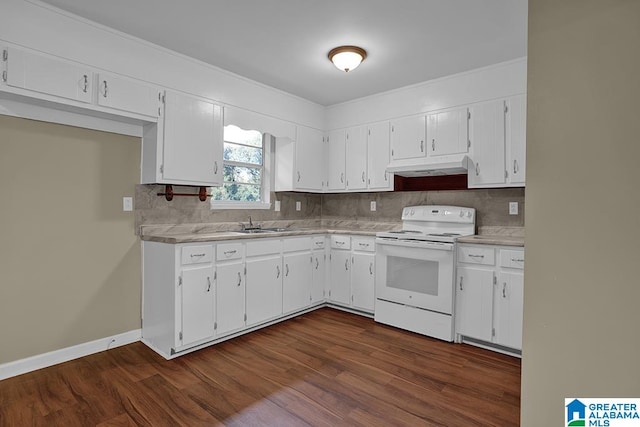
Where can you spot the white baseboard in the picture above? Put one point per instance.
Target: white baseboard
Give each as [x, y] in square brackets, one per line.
[22, 366]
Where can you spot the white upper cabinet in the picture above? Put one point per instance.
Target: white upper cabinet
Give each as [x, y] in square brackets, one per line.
[487, 134]
[378, 156]
[128, 95]
[336, 160]
[516, 139]
[356, 158]
[447, 132]
[498, 143]
[186, 147]
[48, 76]
[309, 165]
[407, 138]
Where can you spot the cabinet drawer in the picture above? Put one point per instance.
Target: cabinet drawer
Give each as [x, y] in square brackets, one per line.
[264, 247]
[512, 258]
[294, 244]
[365, 244]
[197, 254]
[318, 242]
[340, 242]
[476, 255]
[229, 251]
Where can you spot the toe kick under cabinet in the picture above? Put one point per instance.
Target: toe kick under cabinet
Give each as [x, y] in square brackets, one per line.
[489, 296]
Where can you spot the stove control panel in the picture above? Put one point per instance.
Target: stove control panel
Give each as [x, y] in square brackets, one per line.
[439, 214]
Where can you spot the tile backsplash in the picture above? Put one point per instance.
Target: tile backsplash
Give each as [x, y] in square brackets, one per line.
[492, 206]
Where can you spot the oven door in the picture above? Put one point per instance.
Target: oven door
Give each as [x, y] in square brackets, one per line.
[415, 273]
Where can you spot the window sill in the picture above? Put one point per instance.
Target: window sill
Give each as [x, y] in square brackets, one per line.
[239, 205]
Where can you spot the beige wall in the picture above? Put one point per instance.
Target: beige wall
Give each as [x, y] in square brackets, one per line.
[70, 261]
[582, 281]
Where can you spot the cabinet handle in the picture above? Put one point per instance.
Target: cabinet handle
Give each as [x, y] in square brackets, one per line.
[422, 146]
[208, 284]
[298, 176]
[515, 166]
[504, 289]
[371, 268]
[477, 169]
[278, 271]
[227, 253]
[476, 256]
[86, 83]
[342, 177]
[286, 272]
[517, 260]
[385, 175]
[317, 263]
[319, 243]
[200, 255]
[461, 287]
[339, 243]
[363, 178]
[433, 145]
[104, 94]
[346, 264]
[215, 167]
[239, 278]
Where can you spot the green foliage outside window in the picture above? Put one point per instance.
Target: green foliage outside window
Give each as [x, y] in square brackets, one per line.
[243, 166]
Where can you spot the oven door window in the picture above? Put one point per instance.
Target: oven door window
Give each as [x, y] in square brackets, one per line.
[413, 275]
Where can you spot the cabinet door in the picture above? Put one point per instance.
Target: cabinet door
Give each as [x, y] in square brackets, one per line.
[230, 289]
[318, 276]
[192, 141]
[336, 160]
[264, 289]
[407, 138]
[197, 304]
[516, 139]
[340, 283]
[362, 281]
[447, 132]
[296, 283]
[48, 76]
[356, 158]
[128, 95]
[378, 156]
[487, 144]
[508, 310]
[310, 164]
[474, 302]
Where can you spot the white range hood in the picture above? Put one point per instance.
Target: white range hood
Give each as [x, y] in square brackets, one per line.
[449, 165]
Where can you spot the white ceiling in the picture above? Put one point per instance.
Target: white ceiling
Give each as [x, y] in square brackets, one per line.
[284, 43]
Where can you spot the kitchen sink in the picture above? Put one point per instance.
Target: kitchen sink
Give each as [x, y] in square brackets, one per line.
[264, 230]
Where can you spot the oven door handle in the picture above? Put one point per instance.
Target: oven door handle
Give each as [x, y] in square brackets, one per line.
[419, 244]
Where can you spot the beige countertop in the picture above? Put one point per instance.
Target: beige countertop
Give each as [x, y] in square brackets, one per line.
[193, 233]
[504, 236]
[190, 233]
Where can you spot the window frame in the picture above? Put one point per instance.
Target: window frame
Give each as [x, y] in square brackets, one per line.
[265, 177]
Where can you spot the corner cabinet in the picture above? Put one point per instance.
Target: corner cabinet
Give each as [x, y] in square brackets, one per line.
[185, 147]
[300, 163]
[489, 296]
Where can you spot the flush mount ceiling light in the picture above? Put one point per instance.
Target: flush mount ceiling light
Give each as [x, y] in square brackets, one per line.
[347, 58]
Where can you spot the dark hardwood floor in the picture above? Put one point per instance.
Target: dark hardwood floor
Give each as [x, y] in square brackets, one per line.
[324, 368]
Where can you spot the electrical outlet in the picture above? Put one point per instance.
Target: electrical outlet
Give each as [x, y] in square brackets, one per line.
[373, 205]
[127, 204]
[298, 206]
[276, 206]
[513, 208]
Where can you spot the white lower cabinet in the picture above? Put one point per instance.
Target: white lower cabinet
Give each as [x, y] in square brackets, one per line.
[230, 292]
[297, 277]
[318, 270]
[489, 294]
[196, 294]
[352, 266]
[264, 281]
[339, 267]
